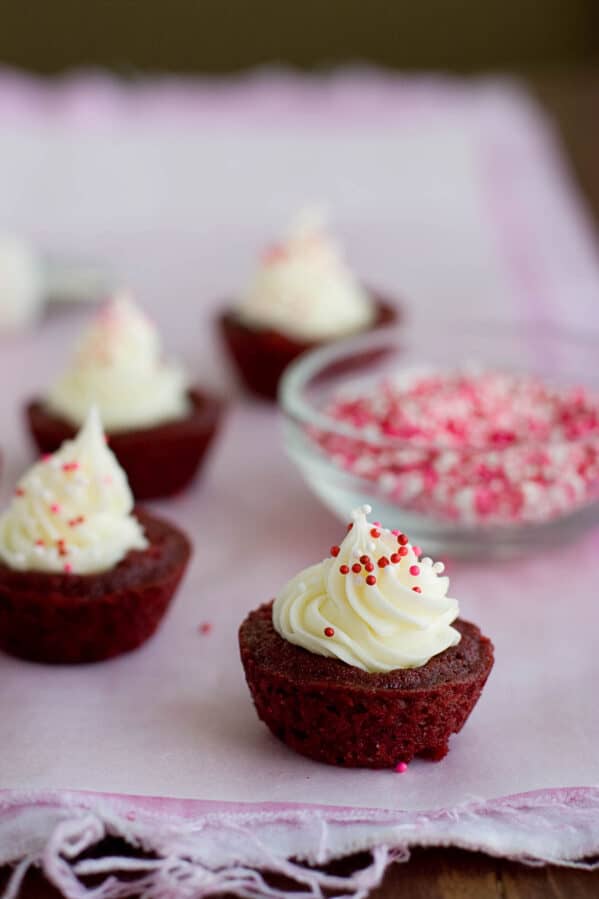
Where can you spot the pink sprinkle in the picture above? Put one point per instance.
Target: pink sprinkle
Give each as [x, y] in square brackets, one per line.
[205, 628]
[68, 568]
[414, 570]
[274, 253]
[490, 447]
[417, 550]
[70, 466]
[45, 457]
[39, 543]
[55, 508]
[395, 532]
[130, 816]
[377, 524]
[401, 768]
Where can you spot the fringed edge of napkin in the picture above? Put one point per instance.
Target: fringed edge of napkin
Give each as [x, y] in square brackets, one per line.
[196, 848]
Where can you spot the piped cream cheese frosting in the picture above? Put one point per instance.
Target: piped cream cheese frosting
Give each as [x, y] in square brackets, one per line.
[303, 287]
[374, 603]
[118, 366]
[72, 512]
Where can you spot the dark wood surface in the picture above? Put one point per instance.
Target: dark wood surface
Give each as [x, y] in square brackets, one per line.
[572, 99]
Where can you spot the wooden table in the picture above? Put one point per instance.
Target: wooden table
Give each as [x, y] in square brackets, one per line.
[572, 99]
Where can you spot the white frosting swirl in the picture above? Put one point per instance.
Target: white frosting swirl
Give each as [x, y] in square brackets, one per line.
[118, 367]
[376, 627]
[303, 288]
[72, 511]
[21, 284]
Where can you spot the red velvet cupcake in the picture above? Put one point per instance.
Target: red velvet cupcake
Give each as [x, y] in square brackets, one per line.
[362, 661]
[83, 576]
[158, 427]
[303, 295]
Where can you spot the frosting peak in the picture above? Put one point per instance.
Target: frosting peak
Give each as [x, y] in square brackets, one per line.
[304, 288]
[118, 366]
[72, 511]
[373, 604]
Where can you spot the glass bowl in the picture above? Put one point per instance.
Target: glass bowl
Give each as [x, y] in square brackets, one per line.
[326, 449]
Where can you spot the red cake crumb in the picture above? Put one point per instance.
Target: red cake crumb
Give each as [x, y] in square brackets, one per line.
[73, 618]
[160, 460]
[261, 355]
[338, 714]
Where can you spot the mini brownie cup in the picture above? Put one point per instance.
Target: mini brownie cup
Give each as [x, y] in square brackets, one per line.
[302, 295]
[159, 428]
[84, 575]
[361, 679]
[70, 619]
[160, 460]
[262, 354]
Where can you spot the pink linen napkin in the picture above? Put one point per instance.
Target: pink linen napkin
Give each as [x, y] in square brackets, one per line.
[450, 195]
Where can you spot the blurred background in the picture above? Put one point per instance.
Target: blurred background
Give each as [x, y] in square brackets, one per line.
[218, 36]
[552, 44]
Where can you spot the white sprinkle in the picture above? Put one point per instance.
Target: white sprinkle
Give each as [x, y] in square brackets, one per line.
[439, 567]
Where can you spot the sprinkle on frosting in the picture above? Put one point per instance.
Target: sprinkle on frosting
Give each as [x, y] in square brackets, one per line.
[304, 288]
[399, 617]
[119, 367]
[65, 517]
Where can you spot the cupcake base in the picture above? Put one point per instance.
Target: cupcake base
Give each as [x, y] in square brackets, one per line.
[160, 460]
[71, 618]
[261, 355]
[338, 714]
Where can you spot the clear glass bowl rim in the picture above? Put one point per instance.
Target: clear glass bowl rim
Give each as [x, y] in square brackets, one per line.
[297, 375]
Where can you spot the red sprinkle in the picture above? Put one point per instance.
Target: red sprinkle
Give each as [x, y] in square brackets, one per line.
[402, 539]
[403, 550]
[371, 580]
[350, 526]
[383, 562]
[344, 569]
[73, 522]
[335, 550]
[414, 570]
[55, 508]
[364, 559]
[488, 447]
[329, 631]
[395, 558]
[356, 568]
[205, 628]
[369, 566]
[417, 589]
[70, 466]
[375, 533]
[19, 491]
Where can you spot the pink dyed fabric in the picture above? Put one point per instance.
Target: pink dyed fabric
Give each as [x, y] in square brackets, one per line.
[451, 196]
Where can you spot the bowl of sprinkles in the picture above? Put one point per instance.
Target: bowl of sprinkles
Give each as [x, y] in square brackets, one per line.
[479, 439]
